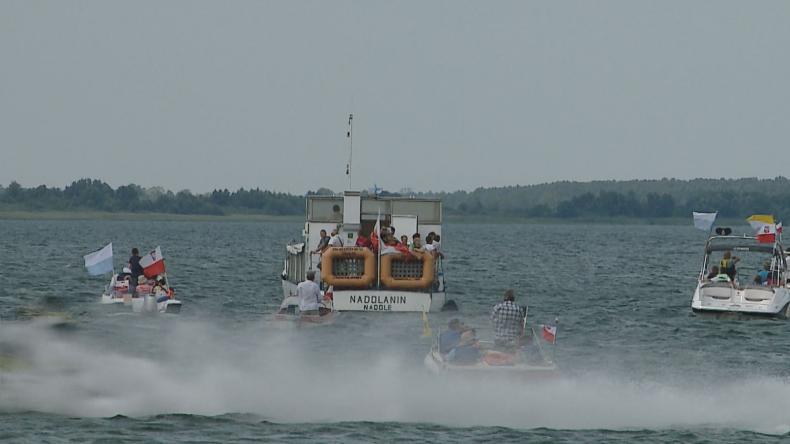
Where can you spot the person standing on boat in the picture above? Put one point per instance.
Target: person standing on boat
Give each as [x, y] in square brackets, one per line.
[508, 320]
[323, 243]
[335, 240]
[727, 264]
[309, 295]
[135, 269]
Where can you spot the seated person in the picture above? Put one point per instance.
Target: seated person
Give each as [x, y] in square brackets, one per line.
[451, 337]
[467, 351]
[714, 271]
[764, 276]
[143, 287]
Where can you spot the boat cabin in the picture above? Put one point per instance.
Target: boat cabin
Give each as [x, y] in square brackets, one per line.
[352, 213]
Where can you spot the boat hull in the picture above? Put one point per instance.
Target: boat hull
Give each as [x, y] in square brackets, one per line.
[436, 363]
[380, 300]
[722, 299]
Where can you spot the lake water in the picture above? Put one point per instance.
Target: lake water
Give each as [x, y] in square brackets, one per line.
[637, 365]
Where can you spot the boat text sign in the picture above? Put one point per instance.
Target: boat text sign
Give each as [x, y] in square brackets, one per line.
[381, 301]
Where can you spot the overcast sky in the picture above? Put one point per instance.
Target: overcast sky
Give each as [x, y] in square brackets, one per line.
[446, 95]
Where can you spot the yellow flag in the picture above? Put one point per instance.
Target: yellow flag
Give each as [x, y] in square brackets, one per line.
[426, 326]
[765, 218]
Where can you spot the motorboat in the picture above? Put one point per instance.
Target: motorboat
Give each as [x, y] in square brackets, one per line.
[146, 298]
[529, 360]
[759, 286]
[289, 312]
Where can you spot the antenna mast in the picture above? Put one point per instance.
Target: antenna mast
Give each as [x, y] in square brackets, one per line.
[350, 137]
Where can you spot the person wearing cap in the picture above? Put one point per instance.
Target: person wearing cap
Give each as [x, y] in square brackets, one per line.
[451, 337]
[334, 240]
[508, 320]
[467, 351]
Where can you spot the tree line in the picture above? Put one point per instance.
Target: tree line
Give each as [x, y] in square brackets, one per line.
[638, 199]
[91, 194]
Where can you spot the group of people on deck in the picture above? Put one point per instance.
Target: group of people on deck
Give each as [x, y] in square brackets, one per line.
[726, 271]
[459, 342]
[139, 284]
[432, 244]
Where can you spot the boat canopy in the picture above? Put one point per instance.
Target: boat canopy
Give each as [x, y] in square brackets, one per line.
[736, 246]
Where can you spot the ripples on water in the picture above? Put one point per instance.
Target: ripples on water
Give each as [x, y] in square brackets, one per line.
[638, 366]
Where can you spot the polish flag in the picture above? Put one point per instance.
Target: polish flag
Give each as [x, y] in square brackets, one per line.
[153, 263]
[550, 333]
[767, 234]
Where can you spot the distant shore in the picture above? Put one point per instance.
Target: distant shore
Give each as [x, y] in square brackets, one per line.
[452, 218]
[105, 215]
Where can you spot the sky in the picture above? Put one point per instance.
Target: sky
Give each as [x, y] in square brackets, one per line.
[446, 95]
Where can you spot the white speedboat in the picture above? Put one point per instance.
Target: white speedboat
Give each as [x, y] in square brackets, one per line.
[143, 301]
[367, 279]
[758, 287]
[527, 362]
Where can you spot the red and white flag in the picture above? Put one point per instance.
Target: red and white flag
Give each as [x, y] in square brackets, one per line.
[153, 263]
[767, 234]
[550, 333]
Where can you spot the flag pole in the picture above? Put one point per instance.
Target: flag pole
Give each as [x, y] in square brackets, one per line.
[350, 136]
[378, 262]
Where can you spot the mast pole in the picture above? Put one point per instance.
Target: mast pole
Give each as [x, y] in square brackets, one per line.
[350, 136]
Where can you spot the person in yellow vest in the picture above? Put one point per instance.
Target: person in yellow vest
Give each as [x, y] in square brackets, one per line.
[727, 264]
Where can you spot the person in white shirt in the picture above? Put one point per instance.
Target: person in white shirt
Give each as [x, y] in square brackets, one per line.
[309, 295]
[335, 240]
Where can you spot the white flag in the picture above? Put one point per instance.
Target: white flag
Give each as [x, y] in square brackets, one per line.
[99, 262]
[704, 221]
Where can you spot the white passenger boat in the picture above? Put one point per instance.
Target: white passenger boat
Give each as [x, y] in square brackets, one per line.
[530, 361]
[365, 279]
[746, 294]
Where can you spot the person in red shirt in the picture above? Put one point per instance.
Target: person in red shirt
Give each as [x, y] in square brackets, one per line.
[363, 241]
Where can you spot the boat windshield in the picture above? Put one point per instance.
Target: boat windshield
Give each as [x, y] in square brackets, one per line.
[751, 262]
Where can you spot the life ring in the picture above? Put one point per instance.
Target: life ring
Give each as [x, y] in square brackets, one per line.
[408, 283]
[364, 280]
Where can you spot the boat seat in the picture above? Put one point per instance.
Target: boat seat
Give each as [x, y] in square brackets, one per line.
[717, 291]
[755, 294]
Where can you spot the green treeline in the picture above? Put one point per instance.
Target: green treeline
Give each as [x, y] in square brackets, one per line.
[634, 198]
[637, 198]
[89, 194]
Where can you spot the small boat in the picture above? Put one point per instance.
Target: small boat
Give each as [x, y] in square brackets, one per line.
[529, 361]
[743, 294]
[289, 312]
